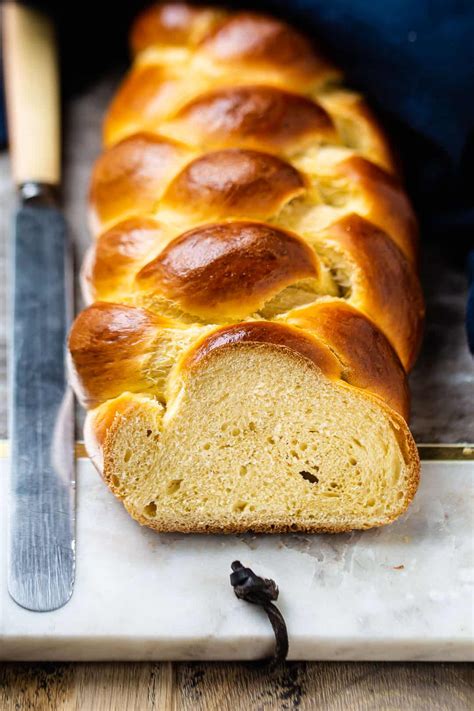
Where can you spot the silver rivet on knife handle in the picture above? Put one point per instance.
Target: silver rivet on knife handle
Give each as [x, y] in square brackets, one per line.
[41, 561]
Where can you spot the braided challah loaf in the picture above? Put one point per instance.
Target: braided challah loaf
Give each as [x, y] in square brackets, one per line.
[255, 298]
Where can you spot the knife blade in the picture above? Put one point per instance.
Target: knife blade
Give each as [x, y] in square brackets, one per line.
[41, 544]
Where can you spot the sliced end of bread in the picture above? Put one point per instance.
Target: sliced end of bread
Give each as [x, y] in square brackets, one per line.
[256, 438]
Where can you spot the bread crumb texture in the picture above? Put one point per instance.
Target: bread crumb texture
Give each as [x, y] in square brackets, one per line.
[258, 439]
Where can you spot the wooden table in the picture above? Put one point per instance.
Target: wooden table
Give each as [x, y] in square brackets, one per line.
[236, 687]
[443, 393]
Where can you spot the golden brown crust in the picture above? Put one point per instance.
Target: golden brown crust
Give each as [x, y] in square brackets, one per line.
[111, 343]
[358, 128]
[115, 258]
[260, 42]
[140, 102]
[253, 91]
[268, 334]
[228, 270]
[234, 183]
[231, 270]
[108, 345]
[384, 285]
[172, 23]
[260, 117]
[130, 178]
[369, 361]
[388, 205]
[196, 526]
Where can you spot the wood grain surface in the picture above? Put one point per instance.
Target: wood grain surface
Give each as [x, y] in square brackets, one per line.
[236, 687]
[443, 392]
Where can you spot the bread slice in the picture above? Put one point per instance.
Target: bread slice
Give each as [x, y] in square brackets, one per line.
[256, 436]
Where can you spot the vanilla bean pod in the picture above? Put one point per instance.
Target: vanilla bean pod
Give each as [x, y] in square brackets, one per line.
[261, 591]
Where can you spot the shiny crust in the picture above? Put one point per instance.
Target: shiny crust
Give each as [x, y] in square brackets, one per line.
[112, 262]
[142, 100]
[388, 205]
[108, 346]
[130, 178]
[384, 285]
[265, 333]
[368, 360]
[260, 42]
[234, 183]
[240, 181]
[228, 270]
[175, 24]
[111, 346]
[260, 117]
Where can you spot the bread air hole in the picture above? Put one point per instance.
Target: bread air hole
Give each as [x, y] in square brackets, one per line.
[173, 486]
[150, 509]
[307, 476]
[127, 456]
[239, 506]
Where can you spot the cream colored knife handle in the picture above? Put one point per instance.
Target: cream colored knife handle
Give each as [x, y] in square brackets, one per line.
[32, 92]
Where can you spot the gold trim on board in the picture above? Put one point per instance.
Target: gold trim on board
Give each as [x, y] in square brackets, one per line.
[462, 452]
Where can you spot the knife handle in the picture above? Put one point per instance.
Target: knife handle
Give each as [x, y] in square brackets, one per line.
[32, 94]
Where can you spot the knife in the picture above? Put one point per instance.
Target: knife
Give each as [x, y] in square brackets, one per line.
[41, 545]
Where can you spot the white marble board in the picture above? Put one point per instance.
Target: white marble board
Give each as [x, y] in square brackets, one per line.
[404, 592]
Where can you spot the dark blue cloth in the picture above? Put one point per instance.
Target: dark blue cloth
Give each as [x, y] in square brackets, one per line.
[415, 58]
